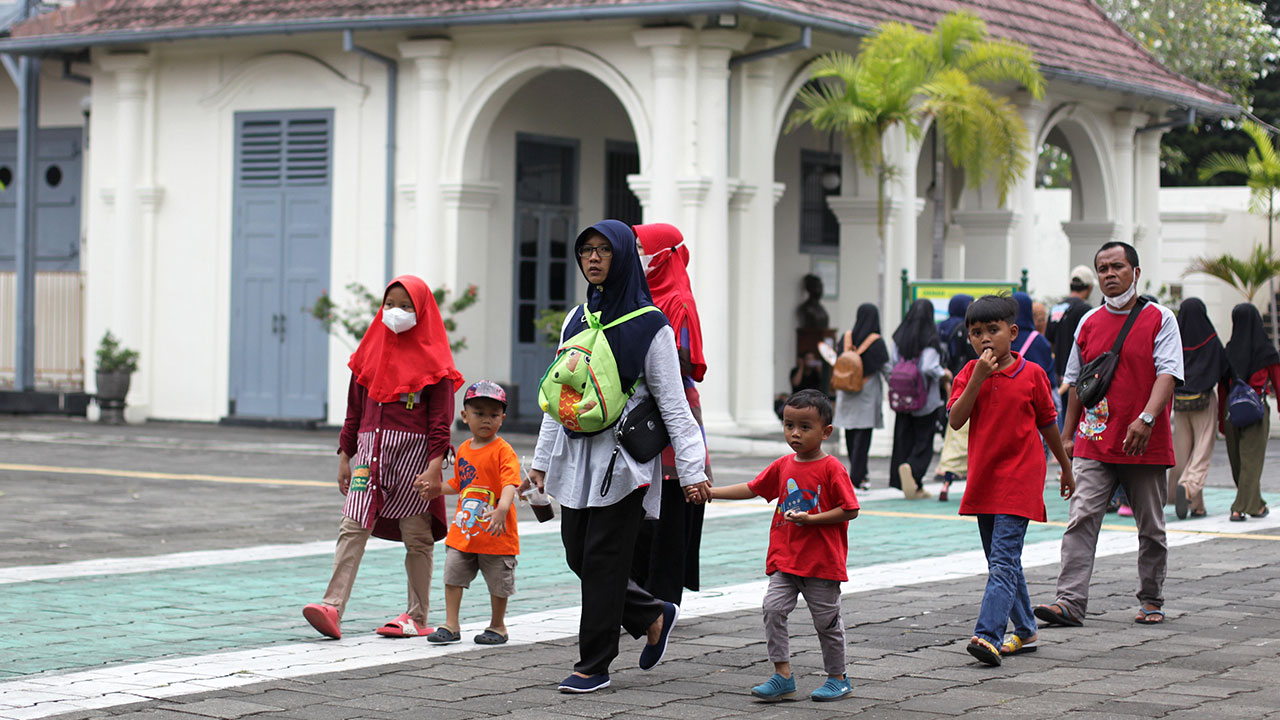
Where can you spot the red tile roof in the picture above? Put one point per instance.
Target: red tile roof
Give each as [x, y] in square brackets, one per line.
[1072, 39]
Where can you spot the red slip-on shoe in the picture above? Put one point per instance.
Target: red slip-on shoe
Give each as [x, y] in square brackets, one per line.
[404, 626]
[324, 618]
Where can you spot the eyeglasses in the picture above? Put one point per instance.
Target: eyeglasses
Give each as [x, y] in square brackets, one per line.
[604, 251]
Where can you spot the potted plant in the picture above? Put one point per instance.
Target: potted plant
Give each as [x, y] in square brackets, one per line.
[115, 367]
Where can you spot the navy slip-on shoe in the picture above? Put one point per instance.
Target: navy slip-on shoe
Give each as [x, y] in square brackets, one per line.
[652, 654]
[577, 685]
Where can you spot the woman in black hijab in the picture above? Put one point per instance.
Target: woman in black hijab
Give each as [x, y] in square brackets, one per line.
[916, 341]
[1252, 359]
[1195, 408]
[859, 413]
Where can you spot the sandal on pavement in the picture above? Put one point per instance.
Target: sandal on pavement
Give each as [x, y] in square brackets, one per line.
[984, 651]
[1265, 512]
[403, 627]
[1238, 517]
[1056, 616]
[444, 636]
[1145, 617]
[1014, 645]
[324, 618]
[1199, 513]
[490, 637]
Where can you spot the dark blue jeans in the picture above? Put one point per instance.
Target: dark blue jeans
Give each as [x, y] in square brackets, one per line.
[1006, 595]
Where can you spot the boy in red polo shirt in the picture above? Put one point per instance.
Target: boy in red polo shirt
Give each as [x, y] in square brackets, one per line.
[1007, 403]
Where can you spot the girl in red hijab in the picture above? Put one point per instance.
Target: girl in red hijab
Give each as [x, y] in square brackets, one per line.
[399, 407]
[667, 550]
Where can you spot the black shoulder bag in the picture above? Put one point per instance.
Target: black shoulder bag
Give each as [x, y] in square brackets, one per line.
[642, 433]
[1095, 377]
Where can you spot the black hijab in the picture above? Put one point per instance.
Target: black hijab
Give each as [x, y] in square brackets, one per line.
[622, 291]
[1203, 359]
[1248, 351]
[917, 331]
[868, 322]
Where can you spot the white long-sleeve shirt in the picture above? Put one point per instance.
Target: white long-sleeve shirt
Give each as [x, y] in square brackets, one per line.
[575, 467]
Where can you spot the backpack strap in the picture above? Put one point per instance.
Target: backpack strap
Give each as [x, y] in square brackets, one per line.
[629, 316]
[1030, 339]
[866, 343]
[847, 345]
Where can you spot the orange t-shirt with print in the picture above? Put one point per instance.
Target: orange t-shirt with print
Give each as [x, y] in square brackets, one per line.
[479, 477]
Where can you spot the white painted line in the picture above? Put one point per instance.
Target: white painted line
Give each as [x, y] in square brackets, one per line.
[52, 694]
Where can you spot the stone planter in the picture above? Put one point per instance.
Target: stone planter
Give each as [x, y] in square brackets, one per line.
[112, 389]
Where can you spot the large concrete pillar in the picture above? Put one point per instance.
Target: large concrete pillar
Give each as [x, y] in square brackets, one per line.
[1124, 124]
[125, 317]
[1146, 208]
[432, 253]
[1022, 198]
[670, 160]
[987, 243]
[1086, 237]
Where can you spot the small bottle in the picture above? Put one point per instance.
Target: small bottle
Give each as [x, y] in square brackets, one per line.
[537, 499]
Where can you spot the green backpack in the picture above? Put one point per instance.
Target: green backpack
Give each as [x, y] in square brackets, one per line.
[581, 390]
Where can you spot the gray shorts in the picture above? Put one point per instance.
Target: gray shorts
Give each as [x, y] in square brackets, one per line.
[499, 571]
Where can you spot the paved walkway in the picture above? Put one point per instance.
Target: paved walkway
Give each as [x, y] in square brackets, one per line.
[163, 571]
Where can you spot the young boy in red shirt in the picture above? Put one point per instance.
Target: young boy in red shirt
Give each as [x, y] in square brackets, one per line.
[808, 544]
[1007, 402]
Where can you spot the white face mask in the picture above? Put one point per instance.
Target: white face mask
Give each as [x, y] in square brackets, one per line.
[398, 320]
[644, 263]
[1118, 302]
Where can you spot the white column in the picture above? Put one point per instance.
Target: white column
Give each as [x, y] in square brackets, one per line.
[668, 48]
[1086, 237]
[904, 207]
[752, 304]
[1022, 197]
[124, 318]
[1146, 211]
[1124, 124]
[986, 244]
[706, 226]
[433, 253]
[467, 208]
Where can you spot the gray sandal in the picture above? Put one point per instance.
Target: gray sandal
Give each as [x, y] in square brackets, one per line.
[490, 637]
[444, 636]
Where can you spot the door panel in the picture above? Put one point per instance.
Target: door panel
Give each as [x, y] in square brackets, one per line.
[58, 190]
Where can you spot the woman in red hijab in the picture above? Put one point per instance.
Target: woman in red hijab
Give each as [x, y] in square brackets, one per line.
[666, 557]
[399, 407]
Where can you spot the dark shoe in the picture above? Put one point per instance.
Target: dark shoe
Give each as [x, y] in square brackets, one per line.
[489, 637]
[984, 651]
[1198, 513]
[444, 636]
[652, 654]
[577, 685]
[1265, 512]
[943, 493]
[1180, 501]
[1238, 517]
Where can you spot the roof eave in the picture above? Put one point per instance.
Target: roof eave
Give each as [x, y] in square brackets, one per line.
[752, 8]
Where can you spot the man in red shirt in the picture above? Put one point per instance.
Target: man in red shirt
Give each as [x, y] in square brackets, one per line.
[1124, 439]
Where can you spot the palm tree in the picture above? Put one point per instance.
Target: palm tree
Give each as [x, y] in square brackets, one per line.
[1261, 170]
[904, 77]
[1247, 275]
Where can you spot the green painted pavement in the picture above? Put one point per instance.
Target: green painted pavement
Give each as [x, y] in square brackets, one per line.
[76, 623]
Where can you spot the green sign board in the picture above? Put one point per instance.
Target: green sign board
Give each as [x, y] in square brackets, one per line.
[940, 292]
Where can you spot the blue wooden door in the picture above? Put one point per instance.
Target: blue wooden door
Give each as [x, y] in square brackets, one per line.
[59, 165]
[546, 221]
[280, 264]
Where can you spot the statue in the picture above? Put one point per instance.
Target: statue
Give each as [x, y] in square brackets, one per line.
[811, 313]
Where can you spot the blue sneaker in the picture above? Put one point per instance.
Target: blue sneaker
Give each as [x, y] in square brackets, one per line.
[652, 654]
[776, 689]
[578, 685]
[832, 689]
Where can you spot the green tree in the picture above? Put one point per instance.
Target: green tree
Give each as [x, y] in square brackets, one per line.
[1247, 275]
[1261, 171]
[904, 77]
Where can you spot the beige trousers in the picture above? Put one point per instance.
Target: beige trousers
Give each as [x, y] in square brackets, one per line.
[1193, 436]
[955, 452]
[419, 545]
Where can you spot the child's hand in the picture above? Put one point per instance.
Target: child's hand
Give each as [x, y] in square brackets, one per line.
[344, 473]
[985, 365]
[428, 485]
[1066, 483]
[797, 517]
[496, 521]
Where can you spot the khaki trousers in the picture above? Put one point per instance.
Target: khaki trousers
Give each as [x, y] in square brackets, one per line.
[1193, 436]
[1146, 488]
[1246, 450]
[419, 545]
[955, 452]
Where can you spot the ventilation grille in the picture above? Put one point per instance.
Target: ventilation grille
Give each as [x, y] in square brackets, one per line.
[284, 152]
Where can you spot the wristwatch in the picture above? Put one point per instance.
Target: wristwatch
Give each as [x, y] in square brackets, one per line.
[1147, 418]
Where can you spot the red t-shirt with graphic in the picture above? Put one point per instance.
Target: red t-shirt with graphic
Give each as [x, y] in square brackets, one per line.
[1102, 429]
[1006, 462]
[811, 551]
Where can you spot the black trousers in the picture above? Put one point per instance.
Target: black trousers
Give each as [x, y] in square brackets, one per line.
[599, 544]
[857, 441]
[666, 557]
[912, 444]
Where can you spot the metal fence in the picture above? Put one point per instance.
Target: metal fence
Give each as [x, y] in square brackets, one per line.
[59, 330]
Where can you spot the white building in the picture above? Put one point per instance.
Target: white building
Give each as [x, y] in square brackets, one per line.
[239, 165]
